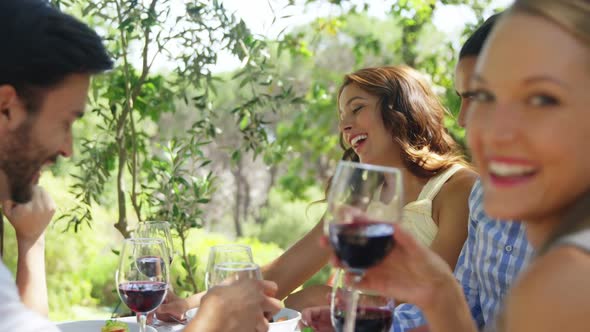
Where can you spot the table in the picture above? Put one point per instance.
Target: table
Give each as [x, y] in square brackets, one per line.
[162, 326]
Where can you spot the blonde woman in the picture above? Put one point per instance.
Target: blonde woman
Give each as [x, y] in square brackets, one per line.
[529, 118]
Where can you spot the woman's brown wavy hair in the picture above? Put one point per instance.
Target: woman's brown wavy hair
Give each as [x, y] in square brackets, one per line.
[414, 116]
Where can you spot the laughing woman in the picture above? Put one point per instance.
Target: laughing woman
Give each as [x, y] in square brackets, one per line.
[525, 128]
[390, 116]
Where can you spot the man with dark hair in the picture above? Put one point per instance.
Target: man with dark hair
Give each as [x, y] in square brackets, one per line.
[466, 65]
[45, 67]
[495, 251]
[43, 50]
[46, 64]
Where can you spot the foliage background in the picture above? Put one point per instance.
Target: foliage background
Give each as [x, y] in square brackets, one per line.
[226, 156]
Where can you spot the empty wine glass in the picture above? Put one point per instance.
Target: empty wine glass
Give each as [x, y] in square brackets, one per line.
[157, 230]
[373, 313]
[364, 202]
[229, 272]
[227, 253]
[142, 277]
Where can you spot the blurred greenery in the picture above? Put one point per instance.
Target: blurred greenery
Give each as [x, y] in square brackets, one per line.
[287, 219]
[237, 156]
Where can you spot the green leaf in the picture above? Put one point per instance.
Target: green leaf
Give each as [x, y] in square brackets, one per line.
[244, 122]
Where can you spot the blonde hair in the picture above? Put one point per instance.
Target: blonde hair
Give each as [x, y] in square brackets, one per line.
[571, 15]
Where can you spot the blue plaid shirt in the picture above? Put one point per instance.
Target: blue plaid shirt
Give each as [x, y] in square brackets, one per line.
[492, 256]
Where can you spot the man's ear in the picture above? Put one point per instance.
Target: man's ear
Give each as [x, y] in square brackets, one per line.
[12, 111]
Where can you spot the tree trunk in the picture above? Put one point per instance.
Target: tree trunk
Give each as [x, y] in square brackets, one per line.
[121, 224]
[271, 182]
[247, 197]
[238, 198]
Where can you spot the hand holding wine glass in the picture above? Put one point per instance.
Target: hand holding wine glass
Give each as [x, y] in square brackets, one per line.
[142, 277]
[240, 306]
[174, 308]
[410, 273]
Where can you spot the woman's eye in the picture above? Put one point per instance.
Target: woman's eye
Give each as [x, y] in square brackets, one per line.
[543, 100]
[482, 96]
[356, 109]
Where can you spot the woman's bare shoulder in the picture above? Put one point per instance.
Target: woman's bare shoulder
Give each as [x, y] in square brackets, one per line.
[458, 186]
[552, 293]
[450, 206]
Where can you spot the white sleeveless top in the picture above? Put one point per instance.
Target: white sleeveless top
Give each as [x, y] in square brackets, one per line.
[417, 215]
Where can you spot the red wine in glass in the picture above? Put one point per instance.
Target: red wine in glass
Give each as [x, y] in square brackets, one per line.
[360, 244]
[367, 320]
[142, 276]
[143, 296]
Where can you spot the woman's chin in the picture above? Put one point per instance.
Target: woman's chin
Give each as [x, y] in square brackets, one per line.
[505, 210]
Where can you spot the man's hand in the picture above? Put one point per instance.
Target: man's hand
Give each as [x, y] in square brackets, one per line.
[31, 219]
[317, 318]
[238, 307]
[173, 308]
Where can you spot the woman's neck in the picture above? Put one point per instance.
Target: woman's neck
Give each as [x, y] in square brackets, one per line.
[538, 231]
[570, 219]
[412, 185]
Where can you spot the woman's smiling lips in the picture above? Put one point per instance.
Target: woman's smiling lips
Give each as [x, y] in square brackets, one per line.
[356, 140]
[507, 172]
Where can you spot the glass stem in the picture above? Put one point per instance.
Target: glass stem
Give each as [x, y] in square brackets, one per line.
[350, 320]
[142, 322]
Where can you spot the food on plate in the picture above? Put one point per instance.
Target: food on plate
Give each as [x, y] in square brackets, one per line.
[114, 326]
[280, 319]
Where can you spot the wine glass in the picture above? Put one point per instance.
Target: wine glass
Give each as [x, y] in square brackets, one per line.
[373, 312]
[227, 253]
[157, 230]
[364, 202]
[142, 277]
[228, 272]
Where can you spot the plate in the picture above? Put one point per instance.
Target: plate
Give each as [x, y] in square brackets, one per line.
[95, 326]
